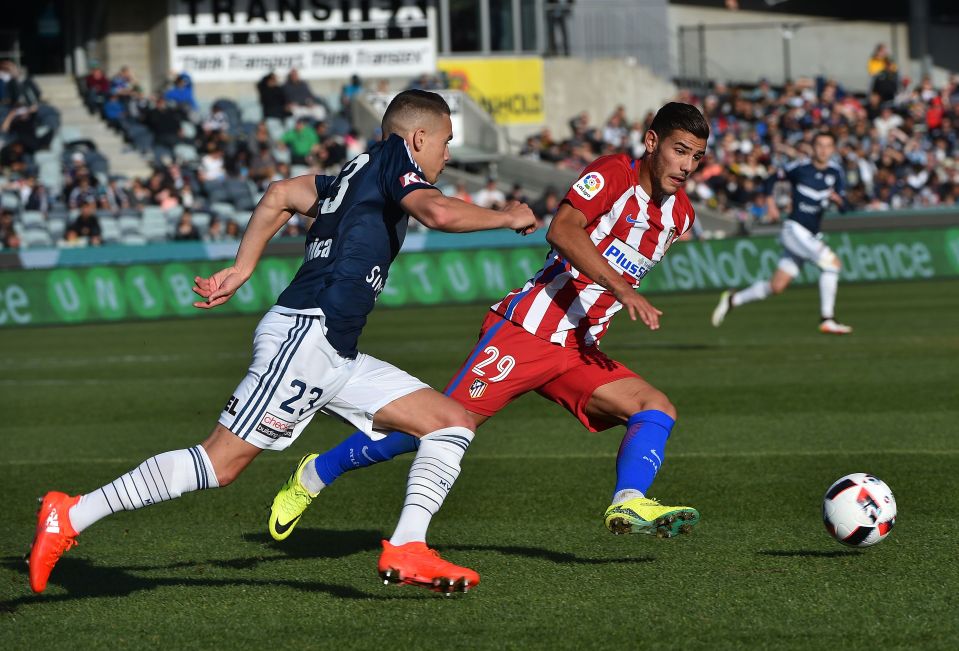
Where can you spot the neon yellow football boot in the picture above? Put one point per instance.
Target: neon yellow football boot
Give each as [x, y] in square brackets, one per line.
[290, 502]
[645, 515]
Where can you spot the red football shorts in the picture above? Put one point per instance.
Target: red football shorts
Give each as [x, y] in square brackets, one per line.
[508, 361]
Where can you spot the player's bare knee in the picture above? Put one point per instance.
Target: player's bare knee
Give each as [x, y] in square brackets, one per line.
[663, 404]
[454, 416]
[654, 401]
[225, 476]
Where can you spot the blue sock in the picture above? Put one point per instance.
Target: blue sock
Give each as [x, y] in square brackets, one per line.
[642, 450]
[359, 451]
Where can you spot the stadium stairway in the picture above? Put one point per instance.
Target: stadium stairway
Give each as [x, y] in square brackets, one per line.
[61, 92]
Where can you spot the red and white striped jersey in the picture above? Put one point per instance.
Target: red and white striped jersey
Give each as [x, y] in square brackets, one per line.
[562, 305]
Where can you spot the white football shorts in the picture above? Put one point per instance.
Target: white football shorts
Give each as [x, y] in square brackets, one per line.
[800, 245]
[296, 372]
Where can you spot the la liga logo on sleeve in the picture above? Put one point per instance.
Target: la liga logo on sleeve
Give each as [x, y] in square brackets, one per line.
[590, 185]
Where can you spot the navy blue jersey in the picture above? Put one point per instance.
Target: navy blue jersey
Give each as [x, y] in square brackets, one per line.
[358, 231]
[811, 188]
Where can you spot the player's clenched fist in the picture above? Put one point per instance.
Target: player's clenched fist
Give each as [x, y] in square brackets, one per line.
[521, 217]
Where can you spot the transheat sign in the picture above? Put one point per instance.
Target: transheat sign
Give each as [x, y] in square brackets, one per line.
[237, 40]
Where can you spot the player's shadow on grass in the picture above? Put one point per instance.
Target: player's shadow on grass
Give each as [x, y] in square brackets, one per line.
[321, 543]
[667, 345]
[83, 579]
[548, 554]
[810, 553]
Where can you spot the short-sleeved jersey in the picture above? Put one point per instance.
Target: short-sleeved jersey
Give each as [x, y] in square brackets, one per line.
[811, 188]
[561, 304]
[357, 234]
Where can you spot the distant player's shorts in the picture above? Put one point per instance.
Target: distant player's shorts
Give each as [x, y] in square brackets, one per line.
[508, 361]
[296, 372]
[800, 245]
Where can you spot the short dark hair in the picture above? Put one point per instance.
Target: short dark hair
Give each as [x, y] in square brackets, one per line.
[826, 134]
[677, 116]
[410, 106]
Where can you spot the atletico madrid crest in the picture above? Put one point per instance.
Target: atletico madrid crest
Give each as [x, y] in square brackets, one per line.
[477, 388]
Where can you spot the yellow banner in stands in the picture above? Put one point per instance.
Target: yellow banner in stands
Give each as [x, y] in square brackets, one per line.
[511, 90]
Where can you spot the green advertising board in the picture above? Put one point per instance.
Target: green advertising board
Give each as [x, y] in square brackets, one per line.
[149, 291]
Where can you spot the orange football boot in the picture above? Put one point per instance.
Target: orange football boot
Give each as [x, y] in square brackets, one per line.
[416, 564]
[54, 536]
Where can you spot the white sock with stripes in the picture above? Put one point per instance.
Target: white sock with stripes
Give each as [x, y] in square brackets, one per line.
[158, 479]
[435, 468]
[756, 292]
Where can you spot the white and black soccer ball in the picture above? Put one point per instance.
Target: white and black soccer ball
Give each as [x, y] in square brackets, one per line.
[859, 510]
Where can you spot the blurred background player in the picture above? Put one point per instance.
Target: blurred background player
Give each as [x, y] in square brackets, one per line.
[815, 185]
[305, 356]
[615, 223]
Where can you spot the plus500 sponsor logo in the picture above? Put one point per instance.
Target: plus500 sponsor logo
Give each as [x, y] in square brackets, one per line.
[626, 260]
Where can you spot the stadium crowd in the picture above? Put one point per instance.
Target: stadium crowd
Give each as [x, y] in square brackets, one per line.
[901, 153]
[898, 146]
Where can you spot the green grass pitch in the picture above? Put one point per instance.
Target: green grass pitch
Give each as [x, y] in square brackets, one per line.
[771, 412]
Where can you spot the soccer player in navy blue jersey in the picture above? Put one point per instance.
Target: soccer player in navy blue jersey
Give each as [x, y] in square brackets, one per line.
[305, 349]
[815, 185]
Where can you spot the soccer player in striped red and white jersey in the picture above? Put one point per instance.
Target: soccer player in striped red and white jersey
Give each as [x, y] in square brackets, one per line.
[614, 225]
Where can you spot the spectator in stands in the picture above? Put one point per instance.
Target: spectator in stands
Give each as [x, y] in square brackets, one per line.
[122, 83]
[334, 154]
[462, 193]
[300, 139]
[558, 13]
[546, 206]
[20, 125]
[186, 230]
[272, 98]
[490, 196]
[8, 234]
[215, 125]
[350, 91]
[212, 166]
[516, 194]
[887, 123]
[97, 84]
[614, 133]
[82, 193]
[300, 99]
[214, 232]
[114, 197]
[14, 159]
[883, 73]
[19, 87]
[294, 228]
[34, 195]
[181, 95]
[86, 227]
[139, 194]
[232, 230]
[353, 145]
[424, 82]
[263, 165]
[114, 111]
[879, 60]
[163, 121]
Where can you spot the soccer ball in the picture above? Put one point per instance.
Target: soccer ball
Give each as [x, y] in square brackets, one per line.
[859, 510]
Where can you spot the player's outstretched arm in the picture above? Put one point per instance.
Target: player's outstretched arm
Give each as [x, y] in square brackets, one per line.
[567, 235]
[437, 211]
[280, 202]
